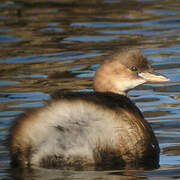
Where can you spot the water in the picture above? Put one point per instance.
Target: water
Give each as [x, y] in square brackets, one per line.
[50, 45]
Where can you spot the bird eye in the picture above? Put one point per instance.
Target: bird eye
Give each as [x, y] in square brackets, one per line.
[133, 68]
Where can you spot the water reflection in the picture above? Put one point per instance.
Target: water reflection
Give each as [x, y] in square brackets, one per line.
[50, 45]
[59, 174]
[94, 175]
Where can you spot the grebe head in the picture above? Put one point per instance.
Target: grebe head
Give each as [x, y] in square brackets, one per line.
[124, 71]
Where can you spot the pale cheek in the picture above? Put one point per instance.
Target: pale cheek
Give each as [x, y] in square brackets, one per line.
[124, 84]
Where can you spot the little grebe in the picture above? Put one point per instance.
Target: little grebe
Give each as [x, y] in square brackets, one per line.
[91, 129]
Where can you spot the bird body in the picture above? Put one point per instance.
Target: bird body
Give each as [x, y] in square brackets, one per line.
[103, 128]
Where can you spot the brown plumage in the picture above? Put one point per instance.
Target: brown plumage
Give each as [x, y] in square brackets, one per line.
[101, 129]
